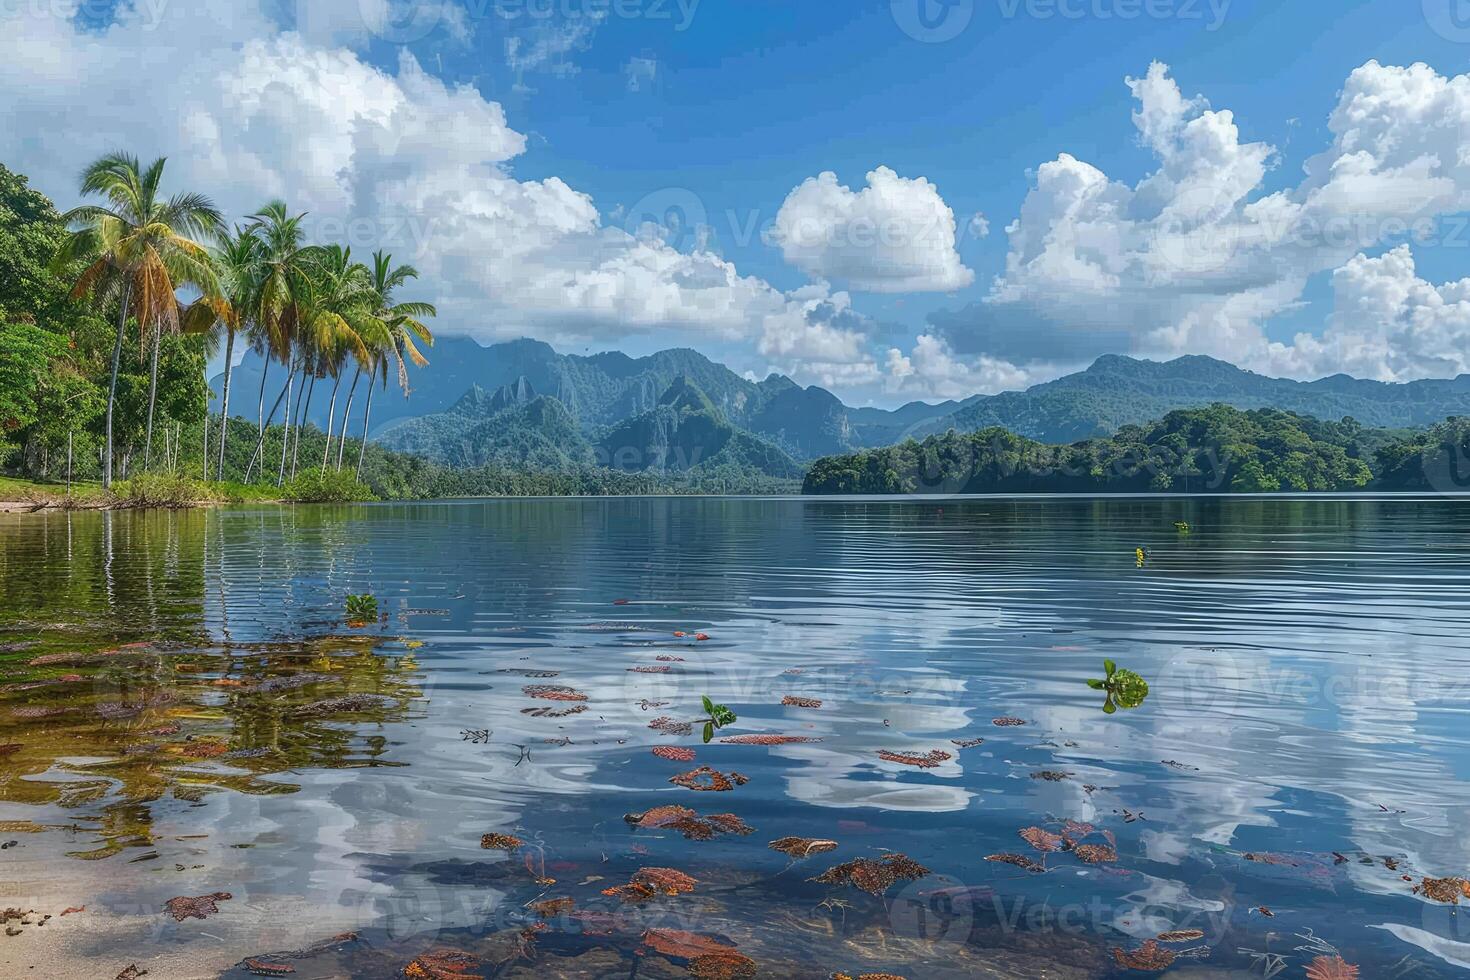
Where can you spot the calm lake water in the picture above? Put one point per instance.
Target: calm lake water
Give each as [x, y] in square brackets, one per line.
[1304, 747]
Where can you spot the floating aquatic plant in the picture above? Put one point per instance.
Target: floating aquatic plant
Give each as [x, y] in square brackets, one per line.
[1150, 957]
[1331, 968]
[802, 847]
[719, 717]
[199, 907]
[874, 876]
[362, 609]
[1124, 688]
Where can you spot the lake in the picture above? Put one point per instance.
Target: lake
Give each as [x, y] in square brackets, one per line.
[184, 713]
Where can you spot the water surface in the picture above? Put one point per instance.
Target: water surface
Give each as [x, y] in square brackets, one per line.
[1304, 747]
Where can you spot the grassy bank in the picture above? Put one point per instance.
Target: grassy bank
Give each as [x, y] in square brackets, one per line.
[161, 490]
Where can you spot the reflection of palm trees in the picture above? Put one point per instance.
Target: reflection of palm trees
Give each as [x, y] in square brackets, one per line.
[191, 720]
[127, 727]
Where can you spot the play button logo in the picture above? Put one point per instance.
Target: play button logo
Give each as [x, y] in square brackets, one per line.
[1450, 19]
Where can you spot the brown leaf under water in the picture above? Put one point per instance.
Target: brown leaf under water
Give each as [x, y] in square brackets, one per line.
[802, 847]
[1042, 840]
[199, 907]
[726, 965]
[1095, 853]
[1150, 957]
[928, 760]
[1180, 936]
[553, 692]
[501, 842]
[549, 712]
[683, 945]
[130, 973]
[671, 726]
[708, 780]
[268, 968]
[550, 908]
[792, 701]
[1331, 968]
[874, 877]
[1051, 776]
[659, 816]
[648, 883]
[674, 753]
[1446, 890]
[1019, 860]
[659, 669]
[1006, 722]
[768, 740]
[443, 964]
[968, 743]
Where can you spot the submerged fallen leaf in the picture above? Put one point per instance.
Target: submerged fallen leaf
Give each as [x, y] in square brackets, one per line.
[792, 701]
[671, 726]
[550, 908]
[1446, 890]
[659, 816]
[1006, 722]
[1051, 776]
[73, 910]
[200, 907]
[1095, 853]
[553, 692]
[659, 669]
[501, 842]
[648, 883]
[928, 760]
[768, 740]
[1180, 936]
[267, 968]
[674, 753]
[708, 780]
[550, 712]
[443, 964]
[874, 877]
[724, 965]
[130, 973]
[1019, 860]
[802, 847]
[1150, 957]
[1042, 840]
[683, 945]
[1331, 968]
[968, 743]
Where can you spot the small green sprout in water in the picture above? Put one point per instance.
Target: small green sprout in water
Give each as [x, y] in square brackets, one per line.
[1124, 688]
[719, 717]
[362, 608]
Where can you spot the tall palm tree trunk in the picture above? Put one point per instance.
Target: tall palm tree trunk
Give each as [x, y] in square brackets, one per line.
[347, 414]
[122, 324]
[224, 415]
[260, 443]
[366, 414]
[286, 436]
[265, 369]
[152, 395]
[331, 412]
[303, 421]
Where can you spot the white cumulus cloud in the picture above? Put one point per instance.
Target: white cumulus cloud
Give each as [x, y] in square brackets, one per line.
[894, 236]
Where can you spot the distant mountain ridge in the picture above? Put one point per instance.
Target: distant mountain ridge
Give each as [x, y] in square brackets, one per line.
[475, 402]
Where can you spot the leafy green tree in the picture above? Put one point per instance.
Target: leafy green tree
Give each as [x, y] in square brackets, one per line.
[139, 248]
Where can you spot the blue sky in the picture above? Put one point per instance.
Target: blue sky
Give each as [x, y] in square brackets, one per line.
[582, 112]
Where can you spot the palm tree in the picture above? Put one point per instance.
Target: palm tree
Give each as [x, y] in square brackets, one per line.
[238, 259]
[339, 320]
[139, 249]
[404, 323]
[281, 300]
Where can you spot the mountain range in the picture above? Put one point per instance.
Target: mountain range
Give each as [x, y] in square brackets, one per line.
[525, 404]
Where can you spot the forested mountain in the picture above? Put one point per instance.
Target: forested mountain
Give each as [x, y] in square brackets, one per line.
[687, 433]
[1117, 391]
[511, 426]
[604, 390]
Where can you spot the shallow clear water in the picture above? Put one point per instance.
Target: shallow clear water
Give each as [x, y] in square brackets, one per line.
[1304, 745]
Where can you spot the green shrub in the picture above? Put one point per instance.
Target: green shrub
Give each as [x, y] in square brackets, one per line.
[159, 490]
[326, 488]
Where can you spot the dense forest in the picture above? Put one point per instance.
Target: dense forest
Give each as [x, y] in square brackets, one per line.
[1218, 449]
